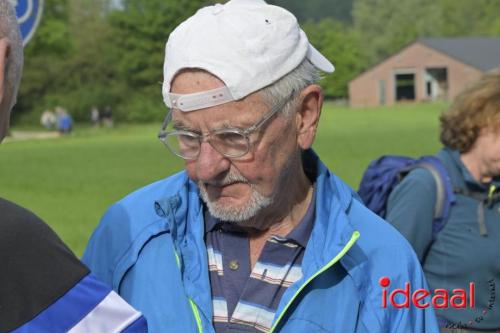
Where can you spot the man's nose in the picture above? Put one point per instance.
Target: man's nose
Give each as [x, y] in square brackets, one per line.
[210, 163]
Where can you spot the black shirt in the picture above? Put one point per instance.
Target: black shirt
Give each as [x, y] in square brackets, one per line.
[36, 267]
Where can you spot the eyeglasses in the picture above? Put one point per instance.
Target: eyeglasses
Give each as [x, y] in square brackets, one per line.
[230, 142]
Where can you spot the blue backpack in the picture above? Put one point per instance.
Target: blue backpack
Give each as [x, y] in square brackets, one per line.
[383, 174]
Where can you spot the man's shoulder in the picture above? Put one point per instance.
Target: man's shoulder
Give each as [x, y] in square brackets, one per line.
[12, 215]
[142, 203]
[21, 230]
[37, 266]
[155, 191]
[141, 208]
[379, 239]
[18, 225]
[382, 253]
[128, 225]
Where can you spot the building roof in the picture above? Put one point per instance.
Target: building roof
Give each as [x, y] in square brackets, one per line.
[480, 52]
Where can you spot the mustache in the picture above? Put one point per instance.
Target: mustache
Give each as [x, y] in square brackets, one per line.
[228, 179]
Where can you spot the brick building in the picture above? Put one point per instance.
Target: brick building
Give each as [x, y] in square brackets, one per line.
[428, 69]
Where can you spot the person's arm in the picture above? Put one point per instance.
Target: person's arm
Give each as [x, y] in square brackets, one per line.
[45, 288]
[410, 209]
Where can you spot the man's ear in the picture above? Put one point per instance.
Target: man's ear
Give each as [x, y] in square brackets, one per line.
[308, 113]
[4, 54]
[4, 105]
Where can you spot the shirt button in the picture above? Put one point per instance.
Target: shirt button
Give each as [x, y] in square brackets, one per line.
[234, 265]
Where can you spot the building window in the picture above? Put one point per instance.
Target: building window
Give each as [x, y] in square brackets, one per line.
[436, 83]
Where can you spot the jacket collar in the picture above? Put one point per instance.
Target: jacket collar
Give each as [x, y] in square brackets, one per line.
[332, 228]
[461, 169]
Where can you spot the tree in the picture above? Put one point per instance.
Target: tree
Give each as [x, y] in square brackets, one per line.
[470, 18]
[44, 58]
[341, 45]
[140, 30]
[110, 52]
[316, 10]
[385, 26]
[93, 52]
[66, 63]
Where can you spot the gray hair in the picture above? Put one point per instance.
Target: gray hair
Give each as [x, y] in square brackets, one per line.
[290, 85]
[10, 29]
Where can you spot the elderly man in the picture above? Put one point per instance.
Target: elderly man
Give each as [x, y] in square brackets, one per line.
[43, 286]
[256, 235]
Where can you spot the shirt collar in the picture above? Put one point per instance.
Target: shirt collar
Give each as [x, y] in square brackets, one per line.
[211, 223]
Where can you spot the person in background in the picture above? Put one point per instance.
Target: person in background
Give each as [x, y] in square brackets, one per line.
[107, 117]
[95, 117]
[467, 248]
[256, 235]
[48, 120]
[64, 121]
[43, 286]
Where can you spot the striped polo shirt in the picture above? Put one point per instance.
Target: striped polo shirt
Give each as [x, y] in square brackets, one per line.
[246, 300]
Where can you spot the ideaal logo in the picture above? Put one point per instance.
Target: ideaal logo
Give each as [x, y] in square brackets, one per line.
[440, 298]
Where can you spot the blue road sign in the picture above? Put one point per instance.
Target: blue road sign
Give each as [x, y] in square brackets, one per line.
[29, 13]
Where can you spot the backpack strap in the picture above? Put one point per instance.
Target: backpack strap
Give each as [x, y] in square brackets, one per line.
[445, 196]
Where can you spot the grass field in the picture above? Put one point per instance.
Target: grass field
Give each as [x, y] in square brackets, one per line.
[70, 181]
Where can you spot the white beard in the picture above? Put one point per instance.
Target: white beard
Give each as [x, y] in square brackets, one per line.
[228, 213]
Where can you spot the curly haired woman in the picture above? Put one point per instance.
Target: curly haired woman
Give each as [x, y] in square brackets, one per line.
[467, 249]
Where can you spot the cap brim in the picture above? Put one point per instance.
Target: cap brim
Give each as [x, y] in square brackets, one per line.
[319, 60]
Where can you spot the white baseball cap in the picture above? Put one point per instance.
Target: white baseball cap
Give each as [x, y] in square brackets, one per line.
[247, 44]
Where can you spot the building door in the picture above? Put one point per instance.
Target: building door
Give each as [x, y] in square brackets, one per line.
[381, 92]
[405, 87]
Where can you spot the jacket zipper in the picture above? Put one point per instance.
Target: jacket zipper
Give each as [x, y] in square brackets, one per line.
[196, 314]
[354, 238]
[194, 308]
[491, 191]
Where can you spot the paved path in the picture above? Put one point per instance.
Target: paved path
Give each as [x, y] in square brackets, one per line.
[25, 135]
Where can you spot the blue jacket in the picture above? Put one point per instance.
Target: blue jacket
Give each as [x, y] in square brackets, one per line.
[149, 247]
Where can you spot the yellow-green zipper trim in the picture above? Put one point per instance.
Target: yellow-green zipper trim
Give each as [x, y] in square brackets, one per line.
[347, 247]
[177, 259]
[194, 308]
[196, 315]
[493, 188]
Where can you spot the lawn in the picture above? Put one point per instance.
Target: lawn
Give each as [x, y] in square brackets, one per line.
[70, 181]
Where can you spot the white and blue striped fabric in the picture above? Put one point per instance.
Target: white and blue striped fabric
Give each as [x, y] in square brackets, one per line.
[89, 307]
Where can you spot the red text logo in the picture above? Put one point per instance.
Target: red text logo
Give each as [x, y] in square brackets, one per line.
[440, 298]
